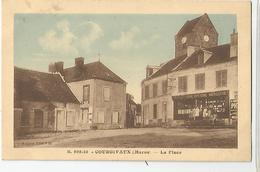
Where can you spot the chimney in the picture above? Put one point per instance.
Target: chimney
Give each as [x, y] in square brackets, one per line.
[79, 61]
[59, 67]
[233, 44]
[52, 68]
[151, 70]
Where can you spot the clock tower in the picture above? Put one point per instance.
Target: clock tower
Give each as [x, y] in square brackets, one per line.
[199, 32]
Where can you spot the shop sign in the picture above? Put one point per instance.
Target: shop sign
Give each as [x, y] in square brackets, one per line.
[202, 95]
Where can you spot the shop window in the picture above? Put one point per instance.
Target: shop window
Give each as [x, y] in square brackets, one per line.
[146, 92]
[164, 86]
[154, 111]
[38, 118]
[182, 84]
[101, 117]
[155, 88]
[106, 93]
[200, 81]
[86, 93]
[221, 78]
[70, 118]
[115, 117]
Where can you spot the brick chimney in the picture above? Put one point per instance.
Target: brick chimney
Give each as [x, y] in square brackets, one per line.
[233, 44]
[79, 61]
[151, 70]
[52, 68]
[59, 67]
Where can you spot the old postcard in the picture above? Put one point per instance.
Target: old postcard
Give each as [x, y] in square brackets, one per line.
[127, 80]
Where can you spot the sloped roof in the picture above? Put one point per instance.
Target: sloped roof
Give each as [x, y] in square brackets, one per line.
[190, 24]
[168, 66]
[220, 54]
[39, 86]
[95, 70]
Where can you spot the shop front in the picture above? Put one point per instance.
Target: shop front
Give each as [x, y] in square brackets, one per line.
[202, 105]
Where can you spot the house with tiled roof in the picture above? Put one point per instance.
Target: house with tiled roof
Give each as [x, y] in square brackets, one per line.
[101, 93]
[43, 102]
[202, 75]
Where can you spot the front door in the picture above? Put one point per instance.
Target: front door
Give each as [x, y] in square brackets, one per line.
[60, 120]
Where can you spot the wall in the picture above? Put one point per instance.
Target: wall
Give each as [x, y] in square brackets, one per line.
[147, 115]
[117, 102]
[210, 86]
[49, 116]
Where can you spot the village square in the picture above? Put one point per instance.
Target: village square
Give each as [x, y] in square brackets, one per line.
[189, 101]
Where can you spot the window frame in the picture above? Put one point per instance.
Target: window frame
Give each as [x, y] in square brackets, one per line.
[74, 113]
[146, 92]
[155, 89]
[109, 97]
[83, 97]
[155, 111]
[221, 79]
[200, 81]
[117, 117]
[98, 117]
[164, 87]
[34, 109]
[182, 84]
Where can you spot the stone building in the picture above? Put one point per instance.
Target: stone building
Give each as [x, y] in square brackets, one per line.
[43, 102]
[202, 75]
[101, 93]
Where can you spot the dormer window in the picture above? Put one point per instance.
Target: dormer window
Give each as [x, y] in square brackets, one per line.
[200, 59]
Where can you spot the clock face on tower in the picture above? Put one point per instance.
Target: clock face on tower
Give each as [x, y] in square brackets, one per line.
[206, 38]
[183, 40]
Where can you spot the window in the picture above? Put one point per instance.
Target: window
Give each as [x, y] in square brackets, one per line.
[164, 110]
[154, 111]
[70, 118]
[24, 119]
[155, 87]
[84, 116]
[106, 92]
[146, 92]
[200, 59]
[164, 86]
[86, 93]
[115, 117]
[200, 81]
[182, 84]
[101, 117]
[38, 118]
[221, 78]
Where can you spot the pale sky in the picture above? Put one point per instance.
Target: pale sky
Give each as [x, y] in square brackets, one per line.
[127, 43]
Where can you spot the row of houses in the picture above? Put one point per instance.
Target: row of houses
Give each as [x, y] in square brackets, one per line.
[202, 77]
[85, 96]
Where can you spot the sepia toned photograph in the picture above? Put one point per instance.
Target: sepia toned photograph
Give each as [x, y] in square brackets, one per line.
[92, 80]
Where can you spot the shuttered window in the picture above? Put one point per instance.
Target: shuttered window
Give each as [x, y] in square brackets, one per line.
[200, 81]
[70, 118]
[115, 117]
[86, 93]
[38, 118]
[221, 78]
[146, 96]
[182, 84]
[106, 93]
[101, 117]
